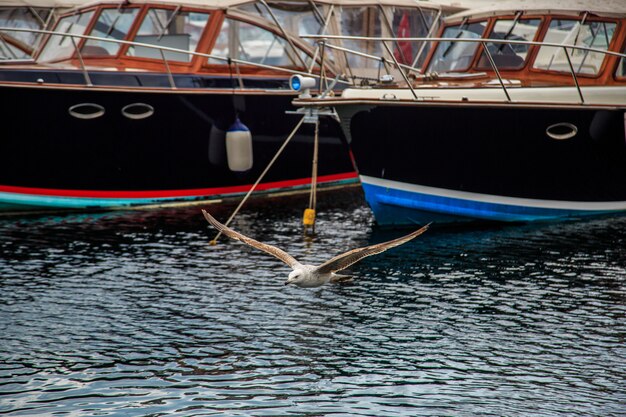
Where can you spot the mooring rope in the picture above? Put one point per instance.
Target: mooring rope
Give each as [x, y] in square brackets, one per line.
[267, 168]
[309, 214]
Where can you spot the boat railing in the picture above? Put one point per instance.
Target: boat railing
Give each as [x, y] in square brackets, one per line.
[162, 50]
[403, 69]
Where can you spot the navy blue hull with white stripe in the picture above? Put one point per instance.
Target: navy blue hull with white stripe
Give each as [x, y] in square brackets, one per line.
[456, 163]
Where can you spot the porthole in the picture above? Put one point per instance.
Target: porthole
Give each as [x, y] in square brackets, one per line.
[137, 111]
[86, 111]
[561, 131]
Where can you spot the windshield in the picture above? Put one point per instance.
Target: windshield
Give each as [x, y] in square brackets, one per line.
[172, 29]
[456, 56]
[247, 42]
[509, 56]
[295, 18]
[596, 35]
[112, 23]
[61, 47]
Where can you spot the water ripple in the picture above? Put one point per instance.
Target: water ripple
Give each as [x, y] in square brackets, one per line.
[133, 313]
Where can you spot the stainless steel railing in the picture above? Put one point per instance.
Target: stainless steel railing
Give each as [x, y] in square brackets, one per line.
[482, 41]
[162, 50]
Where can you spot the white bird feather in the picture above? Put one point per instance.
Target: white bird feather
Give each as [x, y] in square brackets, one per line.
[312, 275]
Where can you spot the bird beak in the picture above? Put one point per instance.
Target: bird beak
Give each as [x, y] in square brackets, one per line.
[286, 282]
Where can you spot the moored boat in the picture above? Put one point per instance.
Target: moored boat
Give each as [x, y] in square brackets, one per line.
[518, 115]
[133, 102]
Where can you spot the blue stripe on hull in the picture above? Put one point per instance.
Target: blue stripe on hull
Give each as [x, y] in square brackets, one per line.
[394, 207]
[14, 201]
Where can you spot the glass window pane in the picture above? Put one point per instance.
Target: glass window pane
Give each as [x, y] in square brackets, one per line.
[164, 27]
[114, 24]
[296, 18]
[9, 51]
[60, 47]
[25, 18]
[410, 23]
[596, 35]
[241, 40]
[456, 56]
[510, 56]
[361, 21]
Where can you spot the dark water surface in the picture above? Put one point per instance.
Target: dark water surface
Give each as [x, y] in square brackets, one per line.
[134, 314]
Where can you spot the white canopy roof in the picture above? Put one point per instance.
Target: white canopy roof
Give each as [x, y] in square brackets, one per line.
[42, 3]
[487, 8]
[231, 3]
[453, 5]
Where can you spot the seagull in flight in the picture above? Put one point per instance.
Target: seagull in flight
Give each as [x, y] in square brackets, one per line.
[309, 276]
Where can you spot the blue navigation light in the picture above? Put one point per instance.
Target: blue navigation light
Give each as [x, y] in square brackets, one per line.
[295, 83]
[300, 83]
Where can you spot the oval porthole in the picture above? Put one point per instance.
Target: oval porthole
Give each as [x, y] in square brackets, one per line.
[561, 131]
[86, 111]
[138, 111]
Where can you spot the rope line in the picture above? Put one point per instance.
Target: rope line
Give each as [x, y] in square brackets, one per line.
[267, 168]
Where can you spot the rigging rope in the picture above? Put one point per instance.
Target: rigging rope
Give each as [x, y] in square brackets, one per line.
[267, 168]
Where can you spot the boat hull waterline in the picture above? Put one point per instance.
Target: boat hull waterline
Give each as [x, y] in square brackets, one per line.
[453, 162]
[167, 146]
[398, 203]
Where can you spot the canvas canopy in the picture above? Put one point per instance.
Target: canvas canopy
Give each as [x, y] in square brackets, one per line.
[607, 8]
[452, 5]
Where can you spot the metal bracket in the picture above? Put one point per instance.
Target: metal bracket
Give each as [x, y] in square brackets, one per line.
[312, 114]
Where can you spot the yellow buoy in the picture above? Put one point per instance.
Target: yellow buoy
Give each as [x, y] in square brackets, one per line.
[309, 217]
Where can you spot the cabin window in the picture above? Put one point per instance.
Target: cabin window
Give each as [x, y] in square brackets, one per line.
[295, 18]
[298, 18]
[509, 56]
[113, 24]
[9, 51]
[411, 23]
[172, 29]
[246, 42]
[456, 56]
[361, 21]
[60, 47]
[23, 18]
[595, 35]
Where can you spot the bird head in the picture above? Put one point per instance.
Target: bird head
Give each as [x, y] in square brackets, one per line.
[294, 277]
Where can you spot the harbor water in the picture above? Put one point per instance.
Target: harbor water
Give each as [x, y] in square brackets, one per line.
[133, 313]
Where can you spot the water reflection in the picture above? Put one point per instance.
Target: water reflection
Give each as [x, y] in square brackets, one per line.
[133, 313]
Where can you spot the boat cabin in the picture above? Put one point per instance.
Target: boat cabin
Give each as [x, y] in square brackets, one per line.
[236, 37]
[550, 22]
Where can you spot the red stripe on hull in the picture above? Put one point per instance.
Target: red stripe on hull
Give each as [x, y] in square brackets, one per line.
[199, 192]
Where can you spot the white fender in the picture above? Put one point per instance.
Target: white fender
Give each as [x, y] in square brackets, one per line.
[239, 147]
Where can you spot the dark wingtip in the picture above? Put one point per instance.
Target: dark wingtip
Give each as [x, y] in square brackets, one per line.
[421, 230]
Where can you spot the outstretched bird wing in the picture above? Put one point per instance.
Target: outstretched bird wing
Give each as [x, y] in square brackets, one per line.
[344, 260]
[272, 250]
